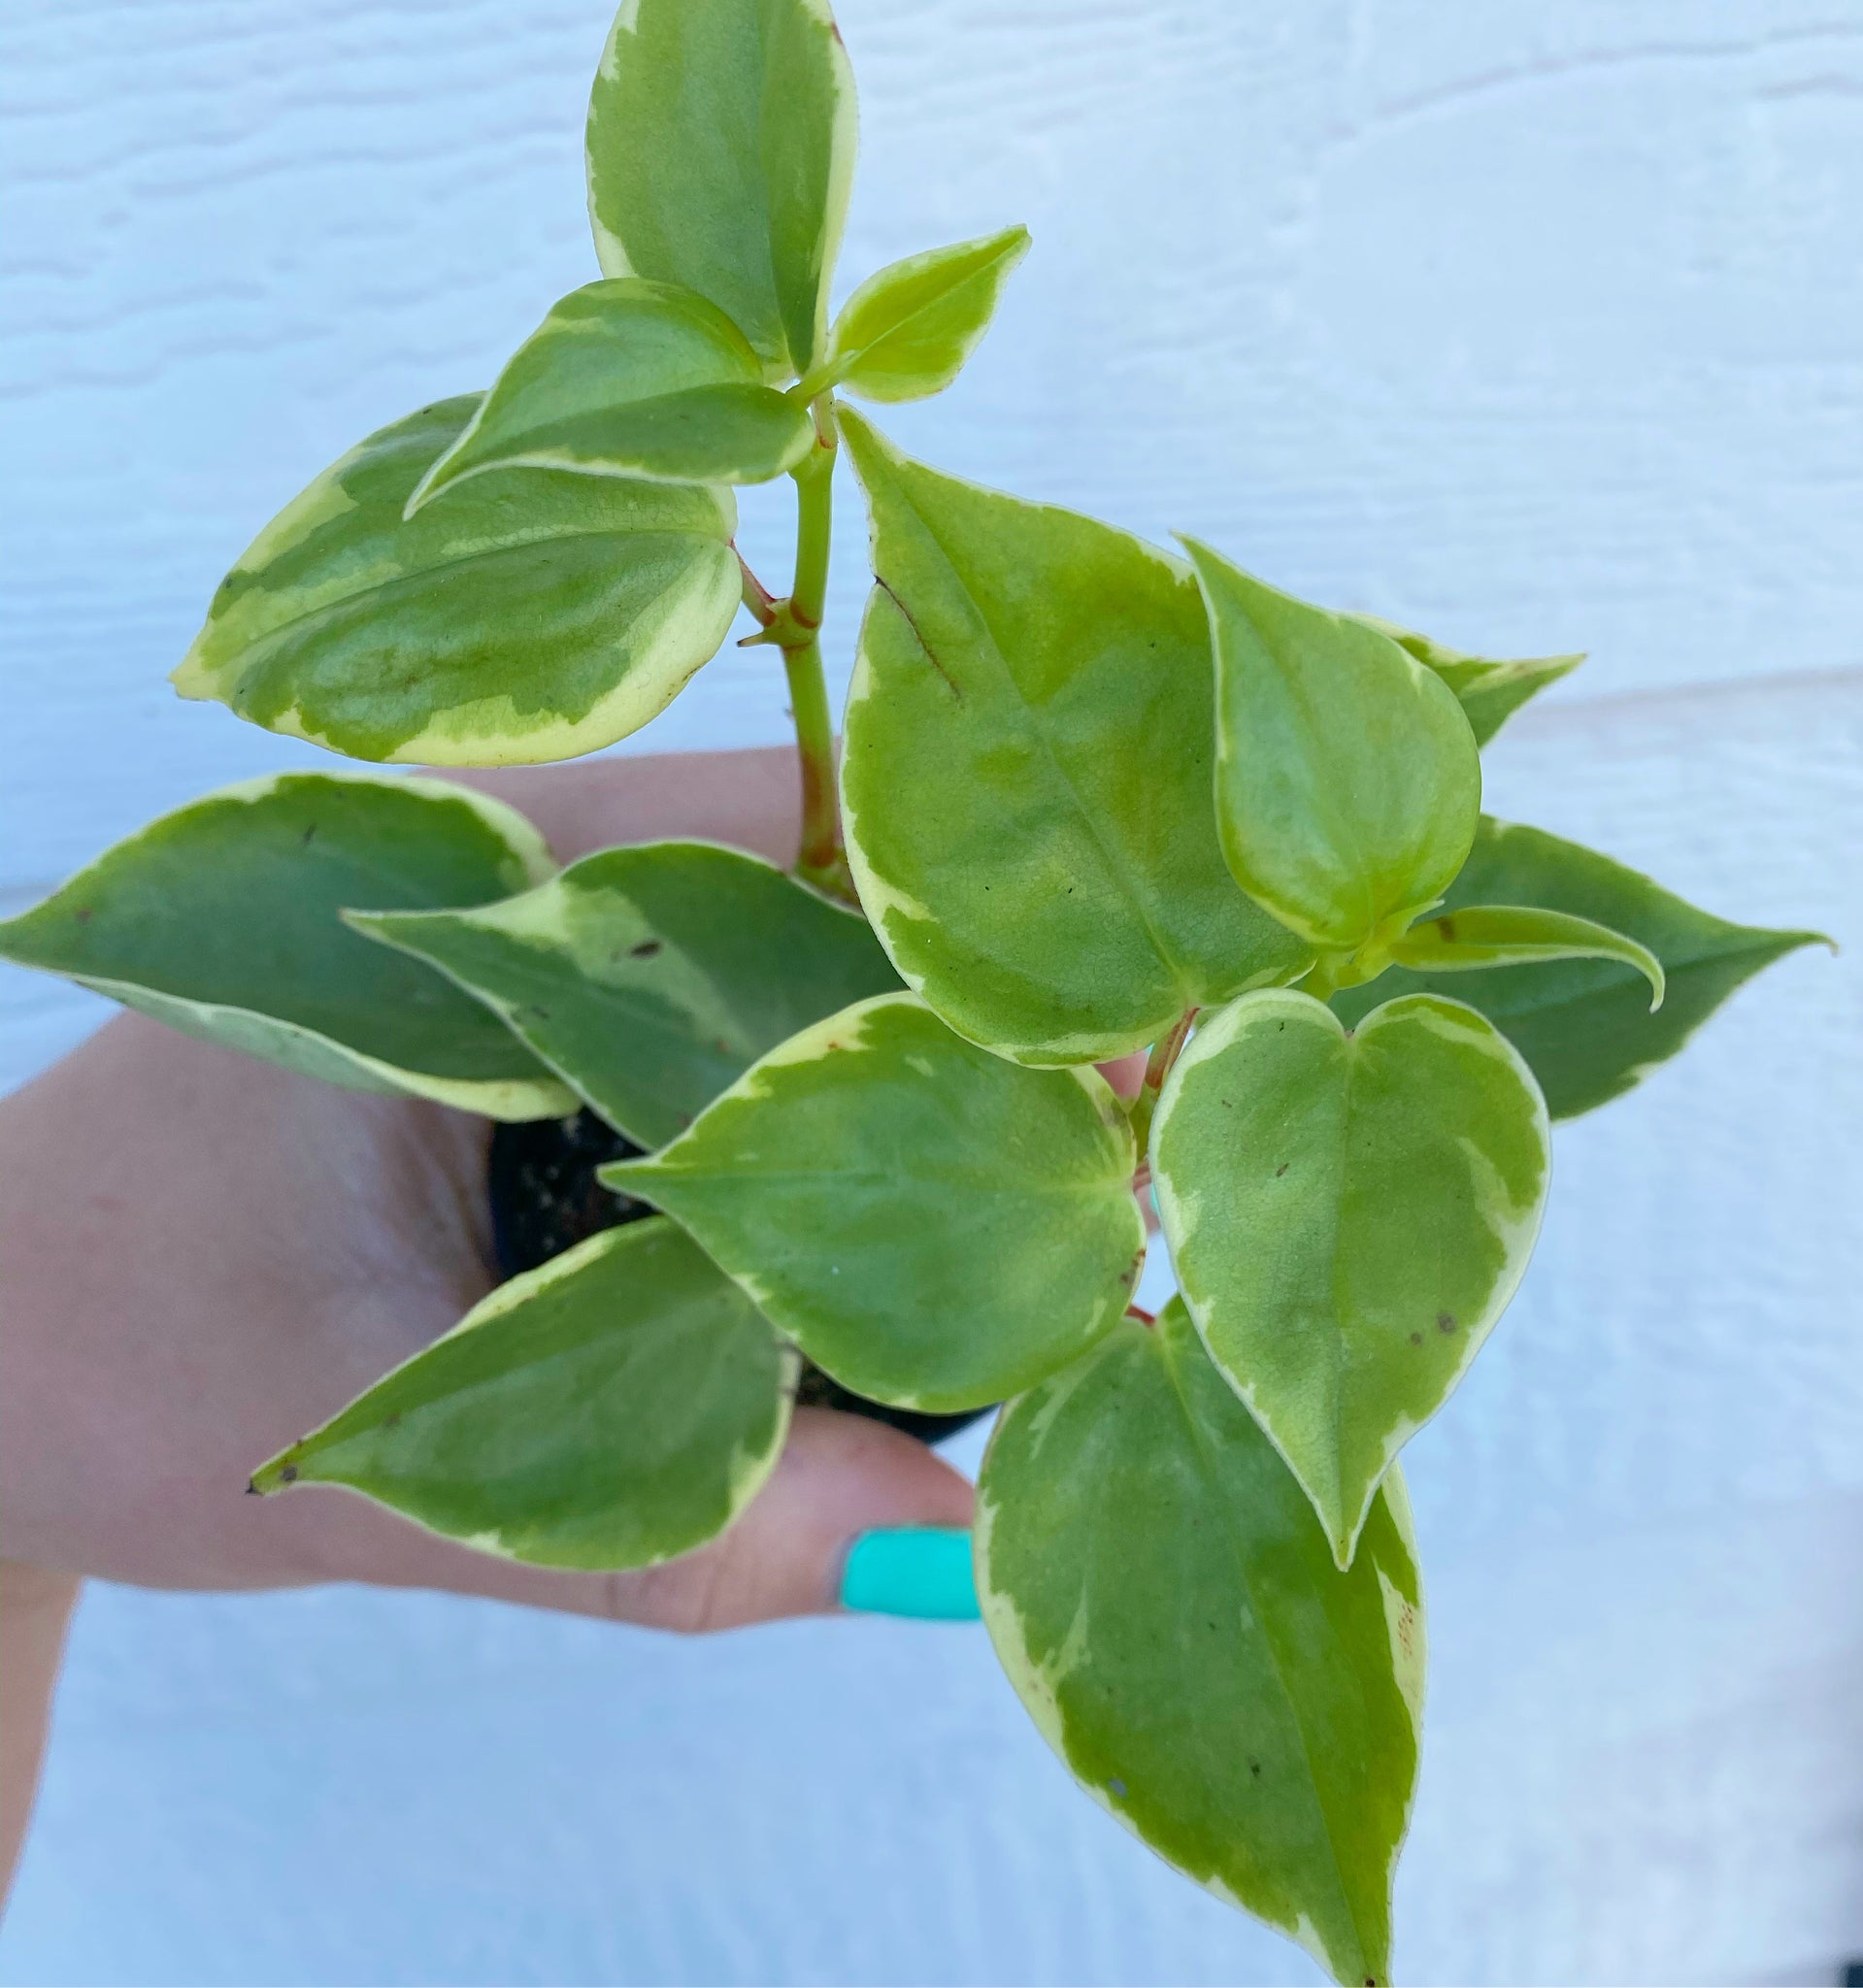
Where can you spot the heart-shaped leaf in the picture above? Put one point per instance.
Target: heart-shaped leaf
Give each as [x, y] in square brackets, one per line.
[1348, 781]
[535, 614]
[1586, 1026]
[1518, 934]
[932, 1225]
[1488, 692]
[630, 378]
[1348, 1216]
[1164, 1603]
[651, 978]
[720, 153]
[617, 1406]
[223, 920]
[906, 331]
[1026, 774]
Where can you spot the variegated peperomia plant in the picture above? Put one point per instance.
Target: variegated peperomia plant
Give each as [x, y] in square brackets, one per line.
[1093, 799]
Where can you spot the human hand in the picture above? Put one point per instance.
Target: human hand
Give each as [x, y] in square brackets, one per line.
[204, 1256]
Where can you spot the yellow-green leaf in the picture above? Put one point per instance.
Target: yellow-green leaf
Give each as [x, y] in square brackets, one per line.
[1026, 774]
[1348, 781]
[906, 331]
[1167, 1607]
[721, 154]
[536, 614]
[628, 378]
[1349, 1215]
[1518, 934]
[932, 1225]
[617, 1406]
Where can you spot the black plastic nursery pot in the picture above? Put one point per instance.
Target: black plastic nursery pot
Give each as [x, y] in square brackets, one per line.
[546, 1199]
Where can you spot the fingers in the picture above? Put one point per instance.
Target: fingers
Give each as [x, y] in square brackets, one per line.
[840, 1477]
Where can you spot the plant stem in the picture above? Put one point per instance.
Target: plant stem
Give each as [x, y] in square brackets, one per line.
[1165, 1051]
[820, 860]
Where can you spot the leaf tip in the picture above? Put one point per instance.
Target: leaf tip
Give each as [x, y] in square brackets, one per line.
[276, 1475]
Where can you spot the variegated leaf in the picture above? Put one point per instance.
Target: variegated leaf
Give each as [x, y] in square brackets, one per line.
[651, 978]
[721, 154]
[1026, 777]
[534, 615]
[934, 1226]
[1349, 1215]
[630, 378]
[224, 919]
[1167, 1607]
[617, 1406]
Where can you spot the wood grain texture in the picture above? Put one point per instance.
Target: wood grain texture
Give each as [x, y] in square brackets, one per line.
[1536, 327]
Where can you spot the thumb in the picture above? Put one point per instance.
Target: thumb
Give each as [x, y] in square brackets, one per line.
[838, 1477]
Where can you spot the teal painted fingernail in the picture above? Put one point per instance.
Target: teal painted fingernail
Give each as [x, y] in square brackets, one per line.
[919, 1571]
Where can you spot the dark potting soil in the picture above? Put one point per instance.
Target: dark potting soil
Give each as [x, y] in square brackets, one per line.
[546, 1198]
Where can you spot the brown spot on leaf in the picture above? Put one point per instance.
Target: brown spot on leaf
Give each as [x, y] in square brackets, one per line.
[1416, 1339]
[1282, 1168]
[645, 950]
[1444, 1322]
[288, 1475]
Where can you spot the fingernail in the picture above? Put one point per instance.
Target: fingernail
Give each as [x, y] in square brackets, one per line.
[918, 1571]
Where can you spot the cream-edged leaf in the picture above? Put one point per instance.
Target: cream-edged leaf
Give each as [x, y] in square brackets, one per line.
[934, 1226]
[534, 615]
[224, 919]
[651, 978]
[720, 153]
[1348, 1216]
[906, 332]
[1167, 1607]
[1348, 784]
[1518, 934]
[628, 378]
[617, 1406]
[1026, 774]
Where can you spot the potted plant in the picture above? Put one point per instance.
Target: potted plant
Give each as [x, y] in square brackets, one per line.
[1093, 798]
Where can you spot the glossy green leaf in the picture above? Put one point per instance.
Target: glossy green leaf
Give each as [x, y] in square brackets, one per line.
[617, 1406]
[630, 378]
[1586, 1026]
[906, 331]
[1348, 1216]
[1026, 774]
[1518, 934]
[1347, 780]
[932, 1225]
[1488, 692]
[1163, 1600]
[533, 615]
[651, 978]
[720, 153]
[223, 920]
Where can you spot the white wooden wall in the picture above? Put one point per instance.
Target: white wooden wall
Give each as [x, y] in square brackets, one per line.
[1537, 325]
